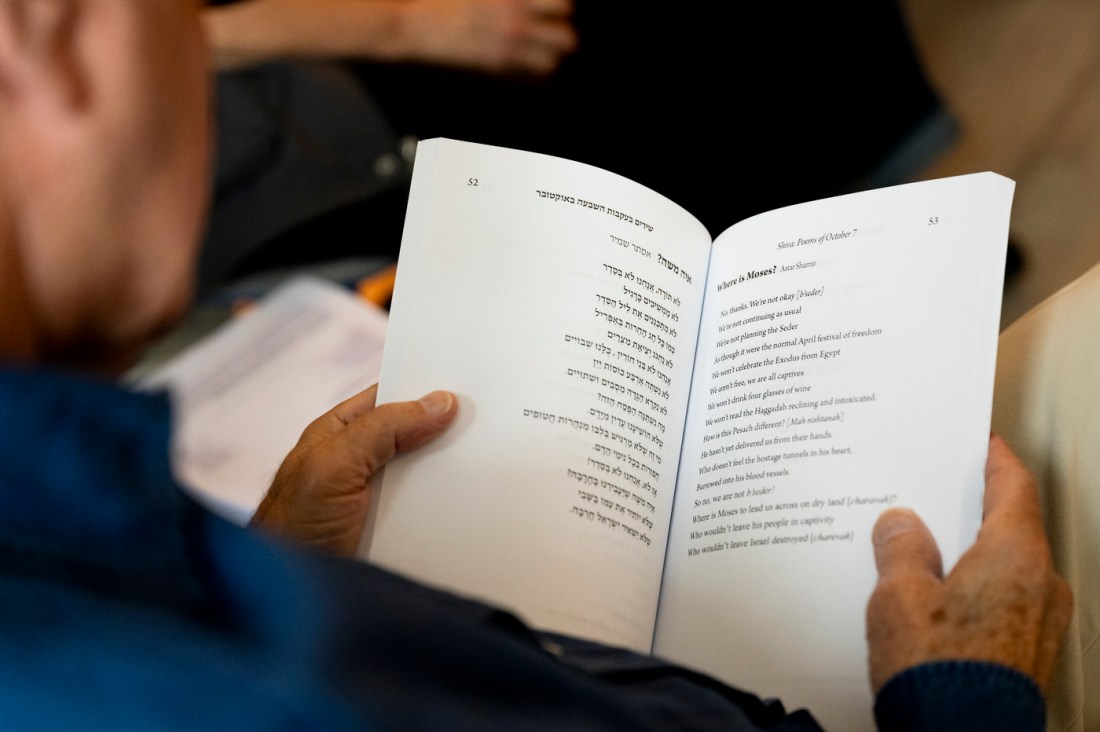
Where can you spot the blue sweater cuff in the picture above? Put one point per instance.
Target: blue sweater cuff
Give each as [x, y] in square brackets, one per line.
[952, 696]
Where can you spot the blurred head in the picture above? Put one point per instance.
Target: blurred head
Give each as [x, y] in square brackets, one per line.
[104, 161]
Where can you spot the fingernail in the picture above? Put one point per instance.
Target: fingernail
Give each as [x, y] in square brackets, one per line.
[437, 403]
[893, 522]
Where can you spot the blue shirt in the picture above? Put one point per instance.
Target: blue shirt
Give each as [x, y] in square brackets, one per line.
[125, 605]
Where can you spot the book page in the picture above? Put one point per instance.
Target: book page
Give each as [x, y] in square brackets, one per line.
[845, 365]
[243, 395]
[560, 303]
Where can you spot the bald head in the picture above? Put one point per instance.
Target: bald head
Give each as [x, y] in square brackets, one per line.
[104, 158]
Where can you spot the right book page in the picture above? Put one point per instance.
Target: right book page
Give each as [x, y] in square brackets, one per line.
[845, 365]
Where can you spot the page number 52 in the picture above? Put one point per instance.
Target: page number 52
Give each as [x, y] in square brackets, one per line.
[471, 182]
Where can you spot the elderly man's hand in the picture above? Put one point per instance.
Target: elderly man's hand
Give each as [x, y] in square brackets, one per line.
[321, 493]
[1002, 603]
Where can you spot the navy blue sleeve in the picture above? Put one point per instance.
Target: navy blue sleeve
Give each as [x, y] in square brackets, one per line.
[952, 696]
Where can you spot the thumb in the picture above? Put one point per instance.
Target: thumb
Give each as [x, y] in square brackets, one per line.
[400, 426]
[903, 544]
[421, 421]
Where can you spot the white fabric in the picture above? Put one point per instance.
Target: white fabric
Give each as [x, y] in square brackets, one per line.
[1045, 404]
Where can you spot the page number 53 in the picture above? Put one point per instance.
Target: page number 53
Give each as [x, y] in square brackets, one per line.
[932, 220]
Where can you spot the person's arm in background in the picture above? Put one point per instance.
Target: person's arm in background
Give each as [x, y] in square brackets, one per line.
[498, 36]
[975, 649]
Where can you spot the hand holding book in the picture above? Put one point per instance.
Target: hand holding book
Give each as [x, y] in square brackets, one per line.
[677, 444]
[681, 445]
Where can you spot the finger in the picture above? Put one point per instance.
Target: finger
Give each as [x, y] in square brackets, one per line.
[1056, 620]
[400, 426]
[551, 8]
[541, 53]
[339, 417]
[1011, 501]
[537, 62]
[437, 410]
[903, 544]
[351, 409]
[542, 59]
[558, 37]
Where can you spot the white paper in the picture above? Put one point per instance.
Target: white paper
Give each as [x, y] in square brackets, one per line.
[533, 288]
[243, 395]
[854, 374]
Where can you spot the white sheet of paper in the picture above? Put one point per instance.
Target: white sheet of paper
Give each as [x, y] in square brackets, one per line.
[856, 376]
[506, 292]
[243, 395]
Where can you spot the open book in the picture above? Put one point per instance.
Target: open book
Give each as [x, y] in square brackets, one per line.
[679, 445]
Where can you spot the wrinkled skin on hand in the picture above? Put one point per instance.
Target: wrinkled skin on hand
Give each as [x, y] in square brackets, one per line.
[1002, 603]
[321, 494]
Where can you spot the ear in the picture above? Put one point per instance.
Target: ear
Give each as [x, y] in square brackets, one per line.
[38, 50]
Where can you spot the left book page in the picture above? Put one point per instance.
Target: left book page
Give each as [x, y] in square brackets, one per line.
[243, 394]
[560, 303]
